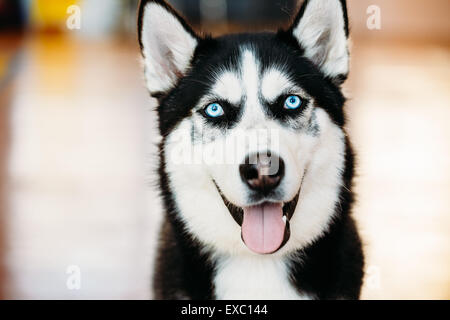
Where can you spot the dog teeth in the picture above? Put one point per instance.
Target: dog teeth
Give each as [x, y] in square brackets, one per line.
[284, 219]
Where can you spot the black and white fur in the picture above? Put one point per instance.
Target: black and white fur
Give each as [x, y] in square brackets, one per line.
[201, 254]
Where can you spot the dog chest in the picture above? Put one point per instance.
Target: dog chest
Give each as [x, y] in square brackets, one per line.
[254, 278]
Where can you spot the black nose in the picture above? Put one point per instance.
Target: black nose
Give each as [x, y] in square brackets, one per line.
[262, 172]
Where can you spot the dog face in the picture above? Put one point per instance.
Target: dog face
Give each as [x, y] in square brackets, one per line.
[253, 147]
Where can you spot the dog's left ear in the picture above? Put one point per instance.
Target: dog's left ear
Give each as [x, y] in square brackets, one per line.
[321, 29]
[167, 44]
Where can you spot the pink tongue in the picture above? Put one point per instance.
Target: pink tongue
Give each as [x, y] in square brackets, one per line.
[263, 227]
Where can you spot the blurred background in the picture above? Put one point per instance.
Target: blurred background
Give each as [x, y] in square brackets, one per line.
[77, 136]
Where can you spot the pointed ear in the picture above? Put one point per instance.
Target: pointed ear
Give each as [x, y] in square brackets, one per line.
[321, 29]
[167, 44]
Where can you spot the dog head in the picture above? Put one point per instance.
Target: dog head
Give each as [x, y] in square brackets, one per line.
[253, 149]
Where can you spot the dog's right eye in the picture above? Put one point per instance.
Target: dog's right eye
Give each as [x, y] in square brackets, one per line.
[214, 110]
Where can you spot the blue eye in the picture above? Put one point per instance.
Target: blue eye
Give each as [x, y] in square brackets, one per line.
[214, 110]
[292, 102]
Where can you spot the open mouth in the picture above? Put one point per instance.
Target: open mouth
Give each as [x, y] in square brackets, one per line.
[264, 227]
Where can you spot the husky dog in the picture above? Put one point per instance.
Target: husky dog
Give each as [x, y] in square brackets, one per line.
[275, 221]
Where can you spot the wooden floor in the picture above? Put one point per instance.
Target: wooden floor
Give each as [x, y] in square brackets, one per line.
[76, 143]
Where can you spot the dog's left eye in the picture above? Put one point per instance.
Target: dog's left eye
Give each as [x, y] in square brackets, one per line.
[292, 102]
[214, 110]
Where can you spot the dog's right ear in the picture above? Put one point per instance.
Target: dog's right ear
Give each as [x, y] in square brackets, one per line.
[167, 44]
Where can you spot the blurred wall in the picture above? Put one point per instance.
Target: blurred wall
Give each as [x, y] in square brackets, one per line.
[400, 19]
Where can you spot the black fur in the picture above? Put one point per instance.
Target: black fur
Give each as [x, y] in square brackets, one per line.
[223, 52]
[332, 267]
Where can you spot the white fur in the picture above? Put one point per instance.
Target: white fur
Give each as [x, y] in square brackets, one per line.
[254, 278]
[250, 78]
[324, 18]
[167, 48]
[275, 83]
[321, 185]
[228, 87]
